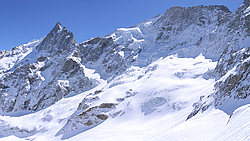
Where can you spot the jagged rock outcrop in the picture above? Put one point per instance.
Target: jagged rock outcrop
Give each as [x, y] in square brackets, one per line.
[232, 87]
[232, 70]
[177, 29]
[184, 17]
[87, 116]
[45, 75]
[235, 84]
[58, 39]
[109, 55]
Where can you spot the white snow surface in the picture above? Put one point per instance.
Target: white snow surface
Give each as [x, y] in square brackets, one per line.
[16, 54]
[157, 100]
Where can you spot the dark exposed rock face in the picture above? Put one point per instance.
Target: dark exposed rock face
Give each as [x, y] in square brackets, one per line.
[45, 75]
[188, 16]
[177, 19]
[86, 117]
[232, 87]
[177, 29]
[102, 51]
[232, 70]
[58, 39]
[236, 82]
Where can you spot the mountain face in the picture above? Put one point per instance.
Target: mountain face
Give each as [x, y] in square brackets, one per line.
[231, 72]
[45, 75]
[186, 67]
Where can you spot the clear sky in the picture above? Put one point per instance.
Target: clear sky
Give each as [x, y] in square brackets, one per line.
[24, 20]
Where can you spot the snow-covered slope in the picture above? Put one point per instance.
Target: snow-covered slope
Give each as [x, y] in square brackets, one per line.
[9, 58]
[182, 75]
[142, 104]
[45, 75]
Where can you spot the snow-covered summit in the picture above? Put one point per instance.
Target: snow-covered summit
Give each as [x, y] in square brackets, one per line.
[59, 38]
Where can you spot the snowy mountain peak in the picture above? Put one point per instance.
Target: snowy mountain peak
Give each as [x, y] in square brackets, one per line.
[58, 39]
[190, 15]
[57, 27]
[157, 73]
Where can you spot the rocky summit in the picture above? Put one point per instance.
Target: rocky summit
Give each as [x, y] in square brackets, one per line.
[182, 74]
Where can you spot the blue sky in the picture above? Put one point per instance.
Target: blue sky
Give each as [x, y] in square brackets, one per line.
[24, 20]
